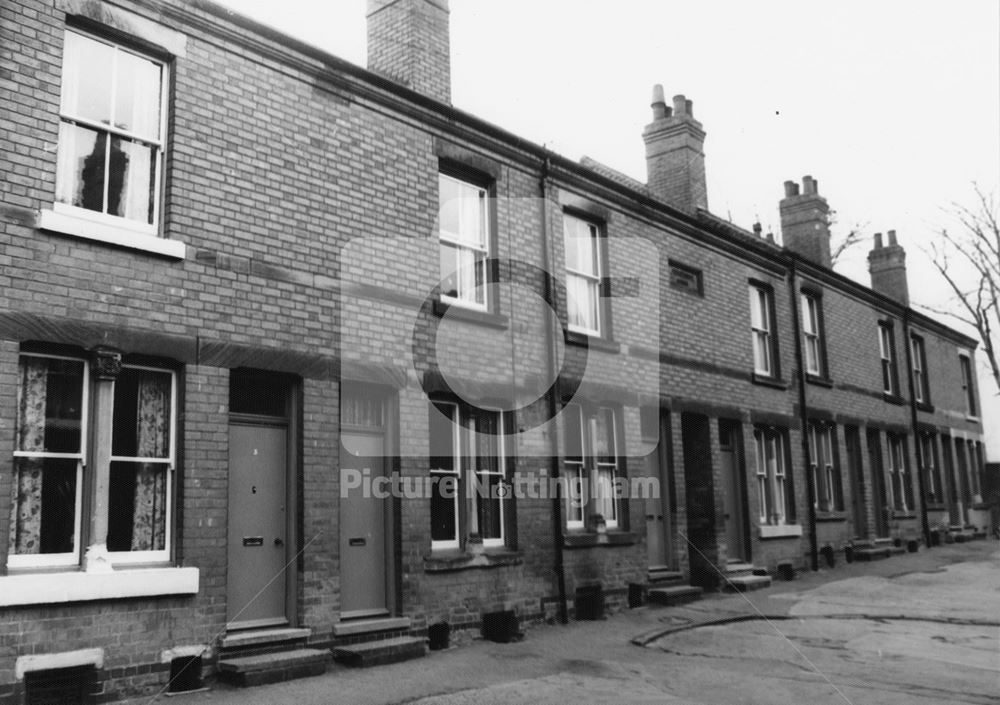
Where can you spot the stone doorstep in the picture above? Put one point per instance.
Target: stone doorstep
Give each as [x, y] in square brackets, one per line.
[673, 595]
[375, 653]
[748, 583]
[371, 626]
[874, 553]
[256, 670]
[663, 578]
[261, 637]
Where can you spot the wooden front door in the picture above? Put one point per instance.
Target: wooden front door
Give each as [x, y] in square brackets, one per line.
[258, 457]
[732, 492]
[659, 532]
[879, 497]
[362, 528]
[856, 473]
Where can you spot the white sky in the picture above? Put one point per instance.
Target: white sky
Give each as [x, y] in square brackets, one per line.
[893, 105]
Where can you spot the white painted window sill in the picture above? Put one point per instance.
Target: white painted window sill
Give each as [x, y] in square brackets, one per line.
[68, 224]
[769, 531]
[53, 588]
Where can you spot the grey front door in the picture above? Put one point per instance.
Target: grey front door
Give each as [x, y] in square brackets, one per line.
[257, 484]
[879, 497]
[659, 540]
[732, 494]
[859, 508]
[362, 529]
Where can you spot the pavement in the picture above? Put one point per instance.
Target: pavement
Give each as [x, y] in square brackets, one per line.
[917, 628]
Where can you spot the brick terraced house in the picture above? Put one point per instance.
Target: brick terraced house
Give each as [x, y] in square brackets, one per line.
[244, 281]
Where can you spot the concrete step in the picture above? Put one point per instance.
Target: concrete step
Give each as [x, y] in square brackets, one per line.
[875, 553]
[247, 671]
[663, 578]
[357, 627]
[737, 568]
[375, 653]
[747, 583]
[254, 638]
[673, 595]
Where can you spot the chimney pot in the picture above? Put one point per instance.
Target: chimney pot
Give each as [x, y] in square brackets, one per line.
[689, 107]
[892, 238]
[809, 186]
[791, 189]
[757, 229]
[878, 241]
[887, 266]
[680, 105]
[659, 103]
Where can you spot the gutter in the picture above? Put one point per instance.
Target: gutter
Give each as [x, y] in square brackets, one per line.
[554, 329]
[924, 520]
[804, 416]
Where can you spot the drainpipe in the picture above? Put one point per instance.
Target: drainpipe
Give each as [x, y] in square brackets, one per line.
[804, 418]
[553, 329]
[924, 520]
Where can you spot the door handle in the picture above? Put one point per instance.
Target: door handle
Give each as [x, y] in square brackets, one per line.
[279, 542]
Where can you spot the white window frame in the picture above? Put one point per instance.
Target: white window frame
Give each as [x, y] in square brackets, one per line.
[455, 473]
[126, 557]
[606, 474]
[811, 333]
[575, 473]
[501, 472]
[772, 478]
[590, 280]
[920, 381]
[888, 363]
[45, 560]
[113, 222]
[967, 372]
[897, 469]
[479, 245]
[761, 334]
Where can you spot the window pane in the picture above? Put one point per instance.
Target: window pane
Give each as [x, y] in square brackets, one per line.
[137, 95]
[582, 302]
[131, 179]
[43, 518]
[87, 78]
[488, 507]
[606, 505]
[448, 200]
[572, 419]
[581, 246]
[487, 442]
[449, 270]
[442, 440]
[80, 169]
[50, 405]
[142, 414]
[604, 439]
[472, 212]
[137, 507]
[443, 515]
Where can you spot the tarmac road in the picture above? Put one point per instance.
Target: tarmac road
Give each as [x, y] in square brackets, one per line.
[918, 628]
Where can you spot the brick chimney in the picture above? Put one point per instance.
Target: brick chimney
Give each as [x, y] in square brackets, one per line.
[805, 221]
[675, 154]
[408, 44]
[888, 269]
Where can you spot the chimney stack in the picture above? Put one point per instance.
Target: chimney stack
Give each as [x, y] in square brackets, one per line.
[408, 43]
[887, 266]
[675, 156]
[805, 224]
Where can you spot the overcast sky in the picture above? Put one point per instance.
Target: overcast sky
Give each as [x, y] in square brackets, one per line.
[893, 105]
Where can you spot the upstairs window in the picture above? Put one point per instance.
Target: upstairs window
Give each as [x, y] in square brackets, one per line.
[584, 270]
[968, 385]
[111, 133]
[762, 330]
[887, 351]
[812, 334]
[465, 242]
[921, 391]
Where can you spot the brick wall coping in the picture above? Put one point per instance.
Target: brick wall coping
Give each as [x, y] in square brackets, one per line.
[64, 659]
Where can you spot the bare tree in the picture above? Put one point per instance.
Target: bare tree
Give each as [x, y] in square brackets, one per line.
[969, 261]
[841, 245]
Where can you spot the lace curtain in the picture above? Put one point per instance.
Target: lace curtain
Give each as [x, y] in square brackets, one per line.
[26, 516]
[153, 441]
